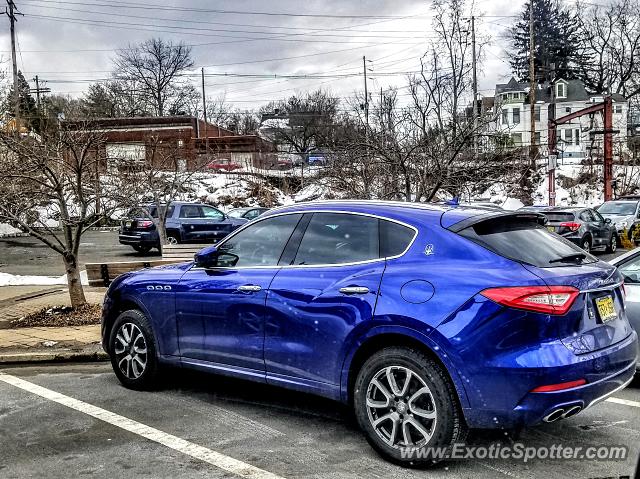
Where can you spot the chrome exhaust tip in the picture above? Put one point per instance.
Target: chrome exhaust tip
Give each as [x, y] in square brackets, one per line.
[554, 415]
[572, 411]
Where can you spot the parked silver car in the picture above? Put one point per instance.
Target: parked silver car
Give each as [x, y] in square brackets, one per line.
[624, 213]
[629, 266]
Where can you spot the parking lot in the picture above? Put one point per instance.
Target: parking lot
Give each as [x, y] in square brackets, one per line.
[208, 426]
[28, 256]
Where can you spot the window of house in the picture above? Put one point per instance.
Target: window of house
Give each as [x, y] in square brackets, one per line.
[516, 116]
[537, 113]
[537, 137]
[505, 116]
[567, 109]
[577, 135]
[516, 138]
[560, 90]
[568, 136]
[617, 108]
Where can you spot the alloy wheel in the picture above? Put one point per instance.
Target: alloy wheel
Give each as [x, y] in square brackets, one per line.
[172, 240]
[401, 407]
[586, 246]
[130, 349]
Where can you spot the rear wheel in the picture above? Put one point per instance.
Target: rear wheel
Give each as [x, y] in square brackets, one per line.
[613, 244]
[586, 244]
[173, 238]
[404, 402]
[132, 350]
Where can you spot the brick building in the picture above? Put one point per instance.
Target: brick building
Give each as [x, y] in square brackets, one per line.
[129, 143]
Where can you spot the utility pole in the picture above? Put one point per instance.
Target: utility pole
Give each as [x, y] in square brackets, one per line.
[204, 111]
[38, 90]
[608, 148]
[366, 91]
[474, 72]
[11, 12]
[532, 86]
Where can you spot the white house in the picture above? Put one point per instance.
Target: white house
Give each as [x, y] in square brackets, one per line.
[573, 138]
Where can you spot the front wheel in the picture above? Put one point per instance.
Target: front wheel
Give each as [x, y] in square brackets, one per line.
[132, 350]
[613, 244]
[405, 402]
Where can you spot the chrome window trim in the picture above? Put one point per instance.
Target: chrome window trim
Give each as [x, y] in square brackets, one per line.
[307, 266]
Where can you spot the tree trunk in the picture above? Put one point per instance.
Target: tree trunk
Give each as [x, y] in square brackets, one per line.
[76, 292]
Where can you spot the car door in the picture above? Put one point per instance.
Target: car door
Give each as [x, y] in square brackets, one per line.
[192, 223]
[606, 229]
[594, 227]
[215, 225]
[220, 310]
[328, 286]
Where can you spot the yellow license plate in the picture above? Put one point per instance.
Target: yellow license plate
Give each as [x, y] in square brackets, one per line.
[551, 228]
[606, 309]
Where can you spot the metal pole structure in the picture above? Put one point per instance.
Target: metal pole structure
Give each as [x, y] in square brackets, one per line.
[366, 92]
[204, 111]
[16, 95]
[532, 86]
[474, 74]
[608, 148]
[37, 80]
[552, 139]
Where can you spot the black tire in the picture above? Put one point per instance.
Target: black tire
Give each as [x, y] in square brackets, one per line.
[130, 372]
[173, 238]
[446, 428]
[142, 249]
[613, 244]
[585, 244]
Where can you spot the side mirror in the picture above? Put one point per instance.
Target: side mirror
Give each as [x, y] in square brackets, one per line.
[206, 257]
[607, 221]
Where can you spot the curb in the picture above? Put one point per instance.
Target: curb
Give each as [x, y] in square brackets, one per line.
[53, 357]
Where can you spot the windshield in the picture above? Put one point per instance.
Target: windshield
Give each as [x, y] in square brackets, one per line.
[620, 208]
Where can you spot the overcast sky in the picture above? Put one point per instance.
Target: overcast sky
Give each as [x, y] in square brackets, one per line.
[71, 43]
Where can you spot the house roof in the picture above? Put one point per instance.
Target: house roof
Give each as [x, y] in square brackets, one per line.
[512, 85]
[575, 91]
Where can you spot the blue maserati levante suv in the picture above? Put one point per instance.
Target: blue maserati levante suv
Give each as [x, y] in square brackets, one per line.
[427, 320]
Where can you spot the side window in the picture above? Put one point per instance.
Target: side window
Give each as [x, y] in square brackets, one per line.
[631, 271]
[252, 214]
[587, 216]
[212, 213]
[336, 238]
[190, 211]
[597, 216]
[394, 238]
[260, 244]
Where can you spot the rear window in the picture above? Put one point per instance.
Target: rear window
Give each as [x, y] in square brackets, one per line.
[523, 240]
[394, 238]
[559, 217]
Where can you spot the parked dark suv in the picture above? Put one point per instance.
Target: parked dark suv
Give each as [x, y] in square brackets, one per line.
[186, 222]
[582, 226]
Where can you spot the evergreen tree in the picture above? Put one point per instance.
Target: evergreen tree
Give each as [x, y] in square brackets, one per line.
[556, 41]
[28, 108]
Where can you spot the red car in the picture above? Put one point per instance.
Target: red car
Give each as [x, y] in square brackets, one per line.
[223, 166]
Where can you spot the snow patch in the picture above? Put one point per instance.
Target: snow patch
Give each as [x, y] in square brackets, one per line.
[7, 279]
[7, 229]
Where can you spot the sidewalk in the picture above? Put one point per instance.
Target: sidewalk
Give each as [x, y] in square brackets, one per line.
[45, 343]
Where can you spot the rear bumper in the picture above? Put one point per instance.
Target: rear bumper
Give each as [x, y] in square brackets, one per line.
[503, 398]
[138, 239]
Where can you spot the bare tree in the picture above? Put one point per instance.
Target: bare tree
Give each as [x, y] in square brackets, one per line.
[156, 182]
[610, 47]
[49, 188]
[156, 67]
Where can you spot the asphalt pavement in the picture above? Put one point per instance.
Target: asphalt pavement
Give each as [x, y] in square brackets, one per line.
[28, 256]
[85, 424]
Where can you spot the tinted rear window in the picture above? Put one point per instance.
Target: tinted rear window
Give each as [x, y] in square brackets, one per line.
[523, 240]
[558, 217]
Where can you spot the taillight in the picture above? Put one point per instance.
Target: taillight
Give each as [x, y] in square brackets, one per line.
[573, 226]
[145, 224]
[541, 299]
[548, 388]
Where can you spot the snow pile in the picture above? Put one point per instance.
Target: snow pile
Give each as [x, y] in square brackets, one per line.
[7, 279]
[7, 229]
[235, 191]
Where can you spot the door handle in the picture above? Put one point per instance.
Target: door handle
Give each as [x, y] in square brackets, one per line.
[249, 288]
[354, 290]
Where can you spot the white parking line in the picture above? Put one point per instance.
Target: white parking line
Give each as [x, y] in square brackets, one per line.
[626, 402]
[190, 449]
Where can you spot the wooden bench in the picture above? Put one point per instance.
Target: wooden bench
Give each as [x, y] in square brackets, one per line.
[181, 251]
[101, 274]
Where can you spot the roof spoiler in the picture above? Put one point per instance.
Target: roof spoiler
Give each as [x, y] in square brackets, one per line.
[493, 215]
